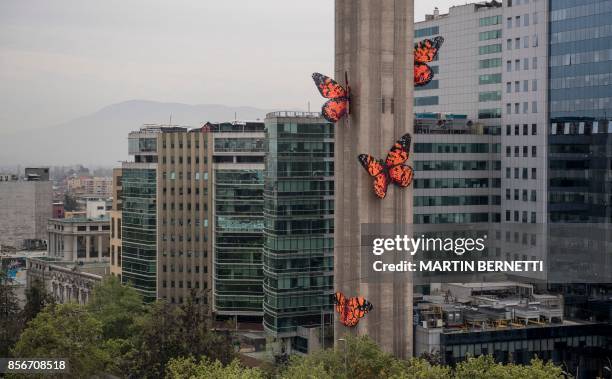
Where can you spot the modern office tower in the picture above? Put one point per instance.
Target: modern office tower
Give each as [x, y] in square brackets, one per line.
[165, 213]
[493, 68]
[115, 215]
[298, 260]
[26, 203]
[237, 170]
[459, 170]
[580, 134]
[374, 49]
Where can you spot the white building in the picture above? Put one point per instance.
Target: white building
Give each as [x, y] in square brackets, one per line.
[492, 67]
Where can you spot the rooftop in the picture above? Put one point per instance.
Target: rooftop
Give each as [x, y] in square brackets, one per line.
[79, 219]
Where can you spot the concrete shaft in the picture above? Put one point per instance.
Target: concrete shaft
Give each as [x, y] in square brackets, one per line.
[374, 40]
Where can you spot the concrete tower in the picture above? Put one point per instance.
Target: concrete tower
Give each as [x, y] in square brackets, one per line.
[374, 45]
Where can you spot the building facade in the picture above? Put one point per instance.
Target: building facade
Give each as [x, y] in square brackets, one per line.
[164, 228]
[298, 228]
[79, 239]
[237, 217]
[115, 215]
[25, 204]
[492, 67]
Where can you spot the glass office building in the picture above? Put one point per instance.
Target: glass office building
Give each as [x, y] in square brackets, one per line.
[238, 172]
[138, 228]
[298, 226]
[580, 92]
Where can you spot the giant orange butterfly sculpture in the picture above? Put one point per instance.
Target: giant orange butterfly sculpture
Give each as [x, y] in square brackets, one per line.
[425, 52]
[339, 98]
[352, 309]
[392, 170]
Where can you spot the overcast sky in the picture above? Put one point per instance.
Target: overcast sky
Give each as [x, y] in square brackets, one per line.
[63, 59]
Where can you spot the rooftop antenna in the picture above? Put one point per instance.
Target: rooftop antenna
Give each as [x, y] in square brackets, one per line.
[170, 124]
[308, 106]
[235, 116]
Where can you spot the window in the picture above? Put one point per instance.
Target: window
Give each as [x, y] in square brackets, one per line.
[525, 151]
[517, 65]
[516, 130]
[508, 130]
[489, 113]
[534, 107]
[488, 21]
[525, 107]
[516, 173]
[508, 172]
[489, 96]
[489, 79]
[533, 217]
[508, 108]
[518, 21]
[509, 87]
[516, 194]
[534, 129]
[516, 151]
[509, 22]
[507, 193]
[535, 17]
[533, 173]
[490, 63]
[424, 101]
[524, 197]
[517, 43]
[508, 151]
[526, 64]
[534, 85]
[525, 129]
[419, 33]
[490, 49]
[509, 44]
[526, 42]
[535, 40]
[517, 108]
[517, 86]
[491, 34]
[526, 20]
[507, 215]
[533, 195]
[534, 151]
[508, 66]
[534, 63]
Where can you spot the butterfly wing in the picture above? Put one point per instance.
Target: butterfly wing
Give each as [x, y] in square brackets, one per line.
[425, 51]
[372, 165]
[422, 74]
[328, 87]
[381, 183]
[399, 152]
[358, 307]
[401, 175]
[334, 109]
[339, 301]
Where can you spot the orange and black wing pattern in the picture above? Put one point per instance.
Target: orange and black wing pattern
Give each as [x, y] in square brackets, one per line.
[425, 52]
[393, 169]
[338, 104]
[352, 309]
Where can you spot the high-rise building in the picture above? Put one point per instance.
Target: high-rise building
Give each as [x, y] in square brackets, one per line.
[237, 217]
[298, 248]
[26, 204]
[492, 67]
[115, 215]
[374, 50]
[459, 170]
[164, 230]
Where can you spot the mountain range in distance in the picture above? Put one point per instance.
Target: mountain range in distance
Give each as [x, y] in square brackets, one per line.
[101, 137]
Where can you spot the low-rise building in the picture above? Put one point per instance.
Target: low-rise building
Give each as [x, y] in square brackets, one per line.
[79, 239]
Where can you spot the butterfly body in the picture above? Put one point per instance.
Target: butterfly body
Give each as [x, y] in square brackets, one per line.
[339, 98]
[392, 169]
[351, 309]
[425, 52]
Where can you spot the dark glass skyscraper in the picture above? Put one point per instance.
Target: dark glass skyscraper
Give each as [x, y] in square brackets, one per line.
[580, 91]
[299, 226]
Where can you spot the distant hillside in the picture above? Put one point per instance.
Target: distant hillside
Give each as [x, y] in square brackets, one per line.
[101, 138]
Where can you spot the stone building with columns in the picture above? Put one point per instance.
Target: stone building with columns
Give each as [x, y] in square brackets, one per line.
[66, 281]
[79, 239]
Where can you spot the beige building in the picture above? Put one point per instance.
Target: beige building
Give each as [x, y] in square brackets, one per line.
[115, 225]
[164, 229]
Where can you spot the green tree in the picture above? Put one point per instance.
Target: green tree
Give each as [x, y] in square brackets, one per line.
[189, 368]
[65, 331]
[10, 324]
[361, 359]
[37, 298]
[117, 307]
[70, 203]
[485, 367]
[168, 331]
